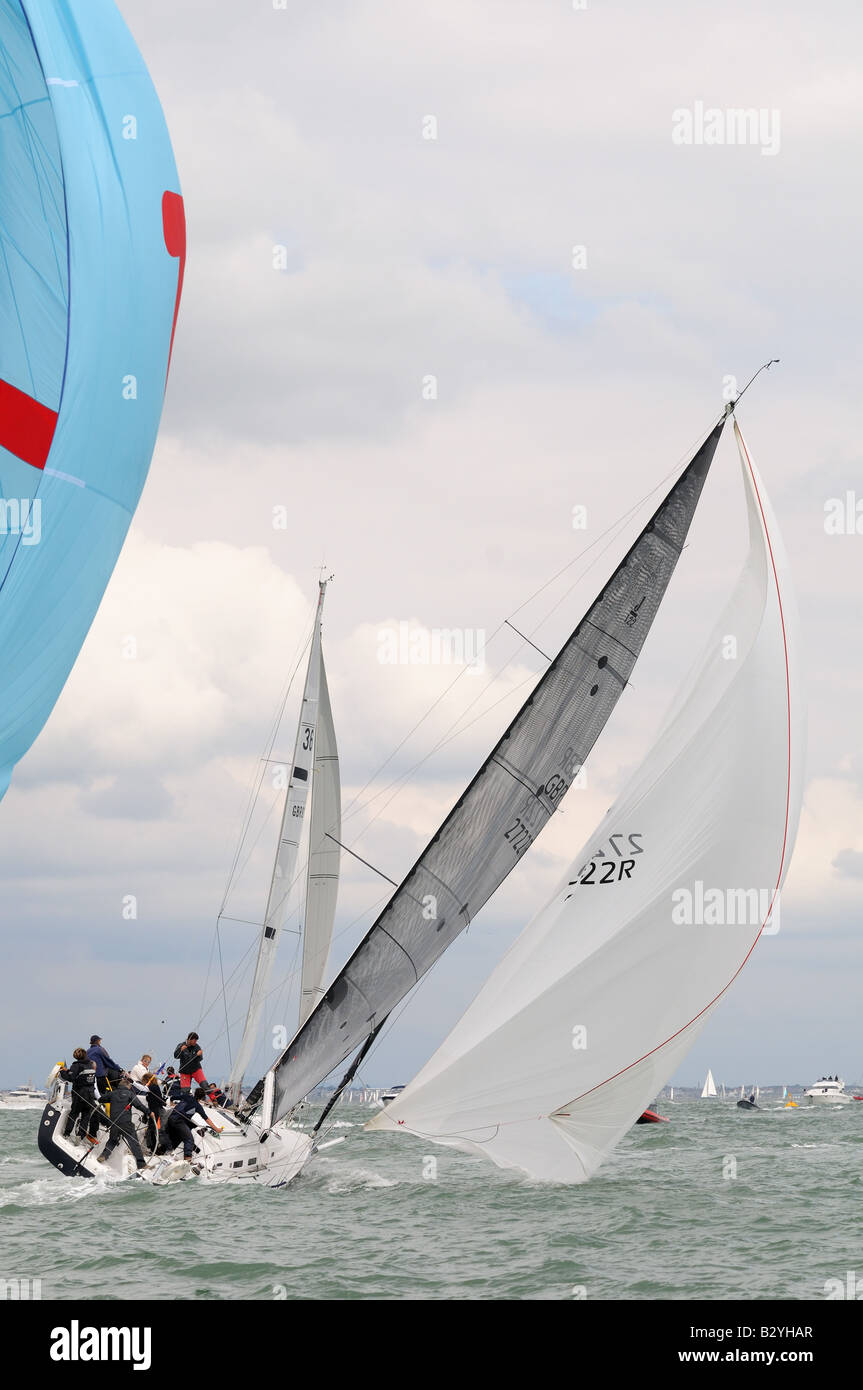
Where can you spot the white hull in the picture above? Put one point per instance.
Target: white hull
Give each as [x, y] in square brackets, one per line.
[76, 1160]
[826, 1092]
[236, 1155]
[239, 1155]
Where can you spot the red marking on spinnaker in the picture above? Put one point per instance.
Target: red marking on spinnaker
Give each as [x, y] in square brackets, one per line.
[174, 229]
[26, 426]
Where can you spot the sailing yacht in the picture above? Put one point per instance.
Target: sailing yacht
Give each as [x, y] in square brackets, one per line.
[608, 951]
[251, 1146]
[708, 1090]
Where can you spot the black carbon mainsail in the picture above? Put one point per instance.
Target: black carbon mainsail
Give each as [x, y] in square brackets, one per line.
[510, 800]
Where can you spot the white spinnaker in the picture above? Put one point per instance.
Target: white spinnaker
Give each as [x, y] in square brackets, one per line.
[592, 1009]
[322, 878]
[286, 854]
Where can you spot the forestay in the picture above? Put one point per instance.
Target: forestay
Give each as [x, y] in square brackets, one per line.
[507, 804]
[591, 1011]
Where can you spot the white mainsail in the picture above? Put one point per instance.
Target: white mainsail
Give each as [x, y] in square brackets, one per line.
[709, 1088]
[322, 878]
[300, 780]
[594, 1006]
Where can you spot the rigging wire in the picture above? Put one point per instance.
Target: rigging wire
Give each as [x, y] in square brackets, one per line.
[355, 805]
[453, 730]
[609, 535]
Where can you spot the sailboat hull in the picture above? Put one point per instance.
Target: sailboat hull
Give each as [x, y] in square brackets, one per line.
[79, 1160]
[238, 1154]
[246, 1156]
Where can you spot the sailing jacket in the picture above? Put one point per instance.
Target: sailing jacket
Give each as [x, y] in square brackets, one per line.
[97, 1054]
[186, 1107]
[191, 1056]
[82, 1076]
[121, 1099]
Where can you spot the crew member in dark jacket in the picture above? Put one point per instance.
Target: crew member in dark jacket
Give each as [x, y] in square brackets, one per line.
[191, 1059]
[82, 1116]
[152, 1094]
[178, 1129]
[171, 1088]
[123, 1097]
[104, 1064]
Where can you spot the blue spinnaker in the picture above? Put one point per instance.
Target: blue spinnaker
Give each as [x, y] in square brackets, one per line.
[92, 253]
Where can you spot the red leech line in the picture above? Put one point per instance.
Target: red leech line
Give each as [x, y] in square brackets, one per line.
[26, 425]
[174, 231]
[709, 1005]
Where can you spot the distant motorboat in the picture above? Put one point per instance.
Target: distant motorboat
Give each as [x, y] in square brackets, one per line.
[27, 1097]
[650, 1117]
[391, 1094]
[828, 1090]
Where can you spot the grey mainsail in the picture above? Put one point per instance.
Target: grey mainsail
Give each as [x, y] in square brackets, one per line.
[506, 805]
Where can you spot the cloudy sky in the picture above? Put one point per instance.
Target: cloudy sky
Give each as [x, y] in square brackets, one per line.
[487, 197]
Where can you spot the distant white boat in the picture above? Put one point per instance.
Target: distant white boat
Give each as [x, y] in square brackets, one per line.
[828, 1090]
[27, 1097]
[709, 1087]
[391, 1094]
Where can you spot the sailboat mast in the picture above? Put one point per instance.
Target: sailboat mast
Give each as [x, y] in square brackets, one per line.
[506, 805]
[299, 783]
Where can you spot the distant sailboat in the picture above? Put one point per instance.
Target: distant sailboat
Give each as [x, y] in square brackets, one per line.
[709, 1089]
[252, 1146]
[314, 777]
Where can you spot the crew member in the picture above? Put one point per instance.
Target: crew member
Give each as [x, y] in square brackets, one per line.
[156, 1103]
[123, 1097]
[191, 1058]
[140, 1069]
[178, 1129]
[82, 1117]
[104, 1064]
[171, 1088]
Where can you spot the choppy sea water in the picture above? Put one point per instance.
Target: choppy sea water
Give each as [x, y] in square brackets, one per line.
[665, 1219]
